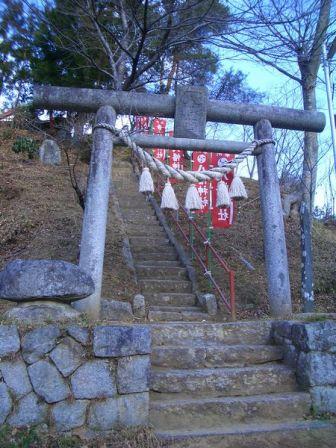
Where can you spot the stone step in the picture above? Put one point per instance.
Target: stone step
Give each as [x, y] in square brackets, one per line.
[162, 263]
[291, 434]
[145, 241]
[152, 257]
[151, 285]
[162, 250]
[235, 381]
[172, 299]
[218, 355]
[141, 220]
[148, 231]
[143, 213]
[172, 414]
[233, 333]
[175, 316]
[168, 272]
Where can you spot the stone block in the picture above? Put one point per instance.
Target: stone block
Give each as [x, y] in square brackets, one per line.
[5, 403]
[29, 412]
[81, 334]
[210, 304]
[116, 310]
[50, 153]
[139, 305]
[190, 112]
[36, 343]
[68, 355]
[16, 377]
[282, 328]
[103, 415]
[324, 399]
[27, 280]
[316, 369]
[133, 409]
[67, 415]
[133, 374]
[315, 336]
[9, 340]
[290, 355]
[94, 379]
[48, 382]
[39, 312]
[118, 340]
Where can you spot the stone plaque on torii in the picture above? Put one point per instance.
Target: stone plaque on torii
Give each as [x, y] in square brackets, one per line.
[191, 109]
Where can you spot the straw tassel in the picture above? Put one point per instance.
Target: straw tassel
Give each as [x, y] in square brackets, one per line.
[223, 198]
[193, 200]
[237, 189]
[146, 184]
[168, 197]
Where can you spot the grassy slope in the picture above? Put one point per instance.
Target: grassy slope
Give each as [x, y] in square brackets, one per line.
[40, 218]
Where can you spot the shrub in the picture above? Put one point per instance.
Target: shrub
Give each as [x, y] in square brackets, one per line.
[25, 145]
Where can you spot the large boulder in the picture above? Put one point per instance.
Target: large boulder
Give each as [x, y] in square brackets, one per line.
[28, 280]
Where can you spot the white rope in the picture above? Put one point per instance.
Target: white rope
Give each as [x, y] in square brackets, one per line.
[169, 171]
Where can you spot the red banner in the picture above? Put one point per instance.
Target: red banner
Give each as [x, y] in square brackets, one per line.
[201, 161]
[221, 217]
[141, 124]
[159, 128]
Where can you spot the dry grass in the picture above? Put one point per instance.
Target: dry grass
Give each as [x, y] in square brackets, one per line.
[40, 217]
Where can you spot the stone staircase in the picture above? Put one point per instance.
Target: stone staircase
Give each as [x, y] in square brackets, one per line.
[213, 385]
[162, 279]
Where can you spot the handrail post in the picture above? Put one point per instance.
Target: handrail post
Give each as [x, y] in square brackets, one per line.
[232, 294]
[95, 214]
[274, 233]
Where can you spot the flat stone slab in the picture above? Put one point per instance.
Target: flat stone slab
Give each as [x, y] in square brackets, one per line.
[40, 312]
[116, 310]
[48, 382]
[93, 379]
[121, 340]
[28, 280]
[36, 343]
[16, 377]
[67, 415]
[5, 402]
[29, 411]
[9, 340]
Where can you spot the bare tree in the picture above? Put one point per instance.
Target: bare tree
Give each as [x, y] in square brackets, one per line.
[288, 35]
[131, 44]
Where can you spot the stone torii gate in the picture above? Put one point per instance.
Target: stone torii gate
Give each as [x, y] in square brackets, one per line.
[191, 109]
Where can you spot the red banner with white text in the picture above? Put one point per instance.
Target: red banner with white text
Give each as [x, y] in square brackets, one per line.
[201, 161]
[159, 128]
[221, 217]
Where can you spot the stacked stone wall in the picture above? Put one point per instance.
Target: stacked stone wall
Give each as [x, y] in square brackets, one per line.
[310, 348]
[75, 379]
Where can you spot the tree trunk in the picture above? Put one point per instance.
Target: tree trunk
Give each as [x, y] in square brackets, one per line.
[309, 172]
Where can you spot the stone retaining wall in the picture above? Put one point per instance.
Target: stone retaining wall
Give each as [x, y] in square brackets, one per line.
[75, 379]
[310, 348]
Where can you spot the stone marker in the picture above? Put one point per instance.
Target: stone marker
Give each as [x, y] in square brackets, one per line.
[139, 305]
[50, 153]
[28, 280]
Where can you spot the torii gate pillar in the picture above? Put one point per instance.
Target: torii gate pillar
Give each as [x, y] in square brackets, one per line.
[275, 251]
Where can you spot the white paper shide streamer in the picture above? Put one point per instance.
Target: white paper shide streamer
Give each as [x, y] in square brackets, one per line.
[223, 198]
[146, 184]
[193, 200]
[168, 197]
[237, 189]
